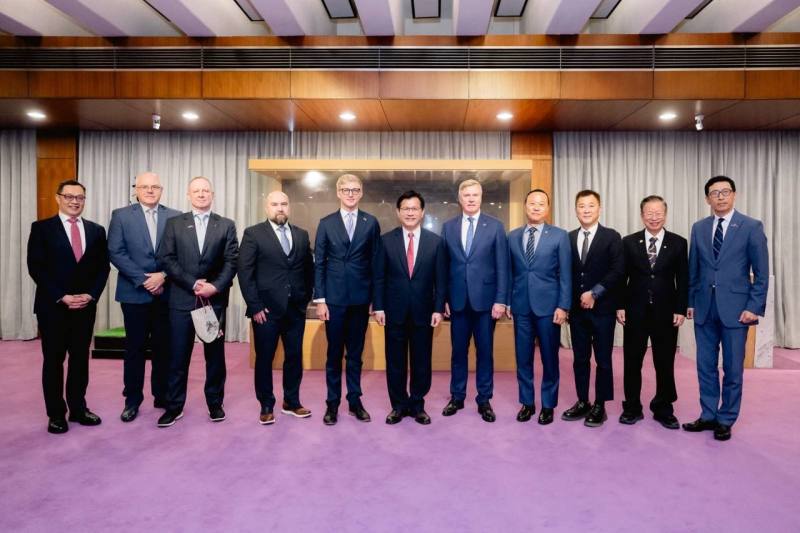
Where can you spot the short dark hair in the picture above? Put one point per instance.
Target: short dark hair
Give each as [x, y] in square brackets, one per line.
[652, 198]
[67, 183]
[587, 192]
[538, 190]
[411, 194]
[717, 179]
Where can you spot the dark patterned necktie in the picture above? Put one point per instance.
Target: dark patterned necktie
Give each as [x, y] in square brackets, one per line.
[718, 238]
[652, 255]
[530, 247]
[585, 246]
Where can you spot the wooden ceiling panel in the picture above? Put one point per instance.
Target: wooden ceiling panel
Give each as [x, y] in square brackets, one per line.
[428, 115]
[646, 117]
[753, 114]
[591, 114]
[271, 115]
[210, 117]
[528, 114]
[325, 114]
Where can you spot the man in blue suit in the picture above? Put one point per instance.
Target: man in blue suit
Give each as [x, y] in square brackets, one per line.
[346, 260]
[134, 235]
[723, 301]
[477, 253]
[540, 296]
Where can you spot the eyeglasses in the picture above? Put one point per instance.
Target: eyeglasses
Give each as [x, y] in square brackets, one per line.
[722, 193]
[148, 188]
[347, 192]
[72, 197]
[410, 209]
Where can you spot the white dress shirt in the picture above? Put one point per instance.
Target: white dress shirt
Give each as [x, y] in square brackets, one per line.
[592, 232]
[465, 227]
[68, 228]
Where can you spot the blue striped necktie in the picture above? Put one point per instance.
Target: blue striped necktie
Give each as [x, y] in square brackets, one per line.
[718, 238]
[530, 247]
[470, 235]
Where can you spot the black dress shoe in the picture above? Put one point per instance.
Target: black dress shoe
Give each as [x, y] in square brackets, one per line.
[597, 415]
[577, 411]
[452, 407]
[422, 418]
[129, 414]
[487, 413]
[546, 416]
[525, 413]
[216, 413]
[395, 416]
[358, 411]
[722, 432]
[57, 426]
[700, 425]
[330, 417]
[668, 421]
[169, 418]
[629, 418]
[86, 418]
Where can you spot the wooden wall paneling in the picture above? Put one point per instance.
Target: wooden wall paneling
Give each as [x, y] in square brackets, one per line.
[270, 114]
[772, 84]
[71, 84]
[753, 114]
[528, 114]
[210, 117]
[699, 39]
[646, 117]
[538, 85]
[592, 114]
[158, 84]
[334, 84]
[791, 123]
[537, 147]
[425, 115]
[602, 85]
[56, 161]
[14, 84]
[690, 85]
[427, 85]
[249, 84]
[325, 114]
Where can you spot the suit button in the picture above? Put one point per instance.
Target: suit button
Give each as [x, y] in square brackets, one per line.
[581, 274]
[652, 276]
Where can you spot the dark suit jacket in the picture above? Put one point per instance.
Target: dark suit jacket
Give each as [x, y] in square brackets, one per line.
[419, 295]
[667, 281]
[546, 283]
[52, 264]
[131, 251]
[184, 264]
[743, 249]
[268, 278]
[483, 274]
[344, 271]
[605, 266]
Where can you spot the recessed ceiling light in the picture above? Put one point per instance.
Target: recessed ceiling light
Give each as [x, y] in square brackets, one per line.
[347, 115]
[36, 115]
[190, 115]
[504, 115]
[668, 115]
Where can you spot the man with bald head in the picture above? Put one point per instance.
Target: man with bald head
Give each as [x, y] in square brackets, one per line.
[134, 236]
[276, 277]
[198, 252]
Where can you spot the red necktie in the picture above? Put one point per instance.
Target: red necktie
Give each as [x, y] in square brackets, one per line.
[410, 254]
[75, 237]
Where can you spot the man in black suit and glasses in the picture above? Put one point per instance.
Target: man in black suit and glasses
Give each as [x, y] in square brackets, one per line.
[653, 305]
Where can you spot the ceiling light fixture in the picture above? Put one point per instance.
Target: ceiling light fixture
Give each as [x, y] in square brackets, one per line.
[190, 115]
[504, 115]
[36, 115]
[698, 122]
[347, 115]
[668, 115]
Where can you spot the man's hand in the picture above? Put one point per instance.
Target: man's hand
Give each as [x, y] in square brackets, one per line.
[436, 319]
[261, 316]
[621, 316]
[587, 300]
[76, 301]
[447, 310]
[153, 282]
[158, 292]
[380, 318]
[560, 316]
[747, 317]
[690, 313]
[677, 320]
[204, 289]
[498, 310]
[508, 312]
[322, 311]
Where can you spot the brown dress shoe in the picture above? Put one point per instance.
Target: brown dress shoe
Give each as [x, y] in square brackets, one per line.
[266, 418]
[299, 411]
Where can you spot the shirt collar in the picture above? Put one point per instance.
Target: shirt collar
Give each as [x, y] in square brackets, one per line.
[65, 218]
[345, 212]
[659, 235]
[196, 213]
[276, 226]
[592, 229]
[416, 232]
[538, 227]
[155, 208]
[475, 217]
[727, 217]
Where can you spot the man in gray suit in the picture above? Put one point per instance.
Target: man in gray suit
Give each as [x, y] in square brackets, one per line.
[134, 235]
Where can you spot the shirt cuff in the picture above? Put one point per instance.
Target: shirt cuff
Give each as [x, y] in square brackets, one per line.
[319, 300]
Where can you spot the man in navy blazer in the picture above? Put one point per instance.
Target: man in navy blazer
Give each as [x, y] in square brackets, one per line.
[723, 301]
[409, 301]
[598, 266]
[198, 252]
[68, 261]
[477, 254]
[540, 296]
[346, 258]
[134, 236]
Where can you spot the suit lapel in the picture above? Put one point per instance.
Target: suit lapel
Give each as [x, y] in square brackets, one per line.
[212, 229]
[541, 239]
[596, 242]
[666, 247]
[400, 250]
[730, 233]
[161, 223]
[62, 240]
[641, 250]
[341, 229]
[480, 230]
[140, 220]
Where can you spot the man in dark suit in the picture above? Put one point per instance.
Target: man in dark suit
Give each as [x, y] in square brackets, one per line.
[409, 301]
[653, 305]
[346, 255]
[597, 269]
[276, 277]
[540, 296]
[68, 261]
[134, 235]
[198, 253]
[723, 301]
[477, 253]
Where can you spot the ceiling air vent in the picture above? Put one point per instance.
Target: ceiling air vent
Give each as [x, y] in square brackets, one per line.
[596, 58]
[691, 57]
[515, 58]
[159, 58]
[334, 58]
[70, 58]
[246, 58]
[773, 56]
[424, 58]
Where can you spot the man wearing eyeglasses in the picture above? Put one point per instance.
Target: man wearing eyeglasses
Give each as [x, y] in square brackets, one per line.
[134, 236]
[346, 258]
[68, 261]
[723, 301]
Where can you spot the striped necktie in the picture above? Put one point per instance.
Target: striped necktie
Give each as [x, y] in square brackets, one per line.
[530, 247]
[718, 238]
[652, 255]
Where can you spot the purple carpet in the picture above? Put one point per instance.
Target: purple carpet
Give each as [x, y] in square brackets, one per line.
[458, 474]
